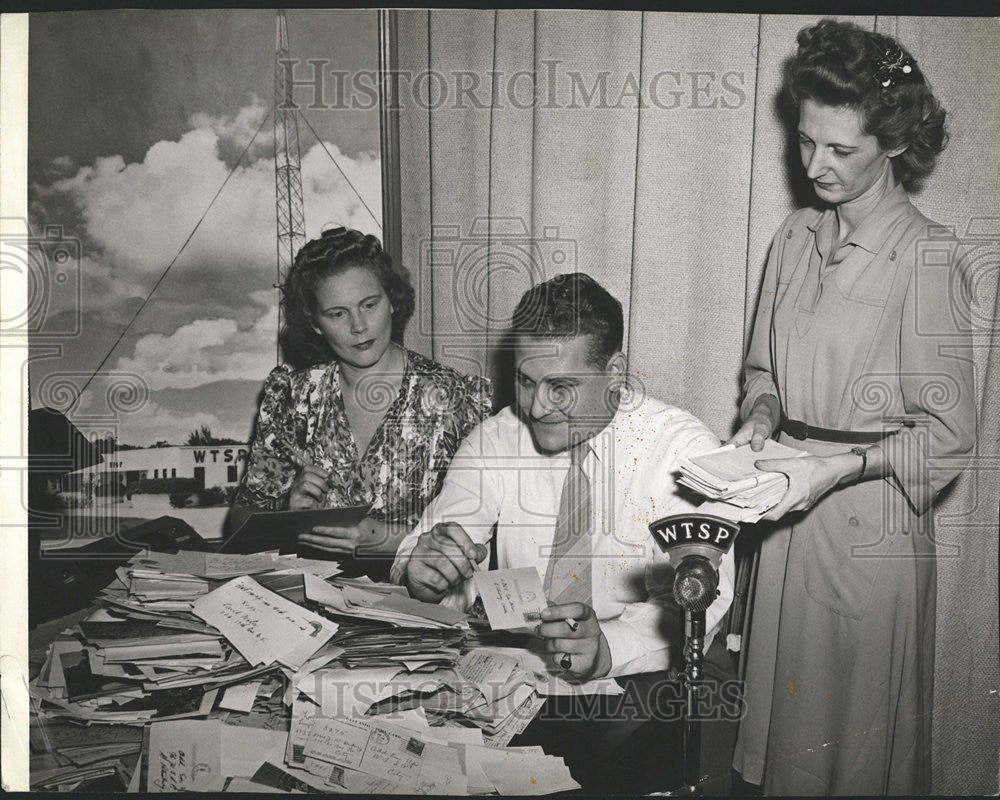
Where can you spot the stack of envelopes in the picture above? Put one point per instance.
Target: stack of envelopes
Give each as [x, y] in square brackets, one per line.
[736, 488]
[380, 625]
[269, 672]
[148, 655]
[66, 754]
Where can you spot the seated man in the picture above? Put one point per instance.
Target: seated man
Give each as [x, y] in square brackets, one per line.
[571, 476]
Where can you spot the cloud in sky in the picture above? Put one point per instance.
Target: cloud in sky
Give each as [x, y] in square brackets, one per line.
[204, 351]
[214, 317]
[140, 214]
[155, 423]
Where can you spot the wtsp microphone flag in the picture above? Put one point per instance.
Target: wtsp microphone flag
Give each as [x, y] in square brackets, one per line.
[696, 544]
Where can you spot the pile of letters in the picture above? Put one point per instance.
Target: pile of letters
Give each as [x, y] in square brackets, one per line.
[267, 672]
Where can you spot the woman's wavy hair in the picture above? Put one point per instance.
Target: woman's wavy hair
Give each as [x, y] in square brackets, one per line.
[840, 64]
[334, 251]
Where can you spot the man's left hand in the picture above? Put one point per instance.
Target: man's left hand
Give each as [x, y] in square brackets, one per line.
[573, 635]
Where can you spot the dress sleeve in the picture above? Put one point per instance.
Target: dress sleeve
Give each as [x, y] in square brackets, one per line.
[757, 377]
[269, 473]
[475, 405]
[936, 379]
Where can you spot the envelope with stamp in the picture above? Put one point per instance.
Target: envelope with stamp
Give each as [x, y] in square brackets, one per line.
[513, 598]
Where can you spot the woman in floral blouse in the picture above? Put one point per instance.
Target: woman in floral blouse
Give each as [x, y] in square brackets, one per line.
[355, 418]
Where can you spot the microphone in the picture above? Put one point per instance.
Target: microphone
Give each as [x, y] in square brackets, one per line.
[695, 544]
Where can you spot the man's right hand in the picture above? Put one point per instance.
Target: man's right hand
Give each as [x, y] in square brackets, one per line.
[442, 558]
[309, 488]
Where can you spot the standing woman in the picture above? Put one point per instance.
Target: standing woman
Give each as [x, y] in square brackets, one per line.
[856, 357]
[355, 418]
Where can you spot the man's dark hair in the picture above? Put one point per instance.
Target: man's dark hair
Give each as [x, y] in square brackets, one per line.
[571, 305]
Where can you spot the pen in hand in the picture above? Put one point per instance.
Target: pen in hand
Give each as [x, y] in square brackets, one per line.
[301, 457]
[309, 473]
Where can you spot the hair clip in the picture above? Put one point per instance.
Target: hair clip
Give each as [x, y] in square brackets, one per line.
[893, 66]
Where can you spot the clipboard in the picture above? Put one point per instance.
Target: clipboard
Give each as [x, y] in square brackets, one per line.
[278, 530]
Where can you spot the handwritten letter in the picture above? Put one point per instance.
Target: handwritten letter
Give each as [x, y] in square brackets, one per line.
[513, 598]
[262, 625]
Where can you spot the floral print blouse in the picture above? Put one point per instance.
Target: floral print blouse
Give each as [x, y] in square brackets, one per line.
[406, 460]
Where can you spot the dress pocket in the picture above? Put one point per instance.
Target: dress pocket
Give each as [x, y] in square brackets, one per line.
[845, 550]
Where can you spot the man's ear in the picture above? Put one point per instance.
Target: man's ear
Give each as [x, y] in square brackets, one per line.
[616, 369]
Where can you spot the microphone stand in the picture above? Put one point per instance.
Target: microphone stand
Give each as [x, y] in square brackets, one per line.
[695, 543]
[694, 642]
[696, 582]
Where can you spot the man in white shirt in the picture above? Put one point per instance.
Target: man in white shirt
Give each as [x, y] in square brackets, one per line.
[573, 411]
[510, 471]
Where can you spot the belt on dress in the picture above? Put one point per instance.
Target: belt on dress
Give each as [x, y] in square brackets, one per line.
[799, 430]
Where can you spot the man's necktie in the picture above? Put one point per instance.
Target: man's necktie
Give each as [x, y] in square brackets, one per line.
[568, 574]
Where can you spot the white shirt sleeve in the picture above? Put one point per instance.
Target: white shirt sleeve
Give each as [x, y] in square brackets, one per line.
[470, 496]
[646, 635]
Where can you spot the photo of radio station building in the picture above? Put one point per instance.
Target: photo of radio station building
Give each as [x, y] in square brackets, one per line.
[162, 470]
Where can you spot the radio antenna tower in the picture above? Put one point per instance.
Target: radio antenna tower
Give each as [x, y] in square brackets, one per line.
[289, 206]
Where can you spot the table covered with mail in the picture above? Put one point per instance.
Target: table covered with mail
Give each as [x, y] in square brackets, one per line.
[267, 672]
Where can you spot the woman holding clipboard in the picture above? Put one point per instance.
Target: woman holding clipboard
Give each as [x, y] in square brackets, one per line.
[354, 418]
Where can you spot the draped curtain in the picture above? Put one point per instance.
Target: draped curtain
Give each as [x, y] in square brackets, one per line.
[524, 153]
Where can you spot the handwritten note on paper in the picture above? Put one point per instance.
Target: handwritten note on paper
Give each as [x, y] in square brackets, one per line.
[185, 755]
[487, 670]
[232, 564]
[343, 780]
[366, 747]
[262, 625]
[303, 715]
[185, 562]
[338, 741]
[513, 598]
[394, 756]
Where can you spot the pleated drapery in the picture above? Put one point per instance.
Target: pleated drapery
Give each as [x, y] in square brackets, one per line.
[525, 152]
